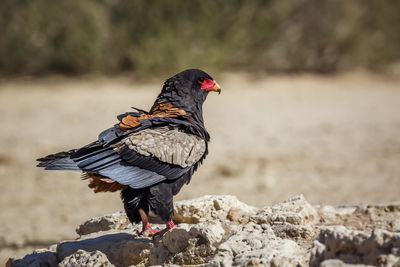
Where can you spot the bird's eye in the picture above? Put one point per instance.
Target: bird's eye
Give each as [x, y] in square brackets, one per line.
[201, 80]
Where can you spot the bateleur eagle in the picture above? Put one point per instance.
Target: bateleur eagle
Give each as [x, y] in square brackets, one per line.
[149, 156]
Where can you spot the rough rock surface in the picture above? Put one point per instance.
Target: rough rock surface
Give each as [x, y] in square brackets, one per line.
[209, 207]
[222, 231]
[88, 259]
[116, 221]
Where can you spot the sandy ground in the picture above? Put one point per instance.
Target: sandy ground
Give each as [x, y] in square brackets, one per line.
[335, 139]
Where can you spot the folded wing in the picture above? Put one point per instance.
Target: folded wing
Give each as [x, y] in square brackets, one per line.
[167, 145]
[146, 157]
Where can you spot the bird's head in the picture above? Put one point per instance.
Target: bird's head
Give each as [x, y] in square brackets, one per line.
[186, 92]
[188, 89]
[199, 80]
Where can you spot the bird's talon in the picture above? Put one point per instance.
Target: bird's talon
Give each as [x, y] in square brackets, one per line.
[147, 232]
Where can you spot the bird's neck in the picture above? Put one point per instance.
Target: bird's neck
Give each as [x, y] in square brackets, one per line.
[192, 114]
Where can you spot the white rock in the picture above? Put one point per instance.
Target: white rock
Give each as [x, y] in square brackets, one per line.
[121, 248]
[339, 263]
[294, 211]
[354, 246]
[226, 232]
[211, 231]
[208, 207]
[115, 221]
[87, 259]
[257, 248]
[395, 224]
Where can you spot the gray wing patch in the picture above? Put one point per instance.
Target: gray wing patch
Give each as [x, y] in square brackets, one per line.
[170, 146]
[133, 176]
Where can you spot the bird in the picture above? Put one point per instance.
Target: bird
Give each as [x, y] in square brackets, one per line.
[148, 156]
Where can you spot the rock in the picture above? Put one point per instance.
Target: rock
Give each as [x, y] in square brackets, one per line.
[380, 247]
[293, 218]
[88, 259]
[176, 240]
[208, 208]
[253, 247]
[185, 245]
[395, 224]
[339, 263]
[294, 211]
[115, 221]
[36, 259]
[211, 232]
[222, 231]
[238, 216]
[121, 248]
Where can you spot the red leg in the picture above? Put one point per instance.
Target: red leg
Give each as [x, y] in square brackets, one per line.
[170, 225]
[146, 228]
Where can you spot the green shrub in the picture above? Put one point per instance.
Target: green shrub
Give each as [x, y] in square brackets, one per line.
[74, 36]
[44, 36]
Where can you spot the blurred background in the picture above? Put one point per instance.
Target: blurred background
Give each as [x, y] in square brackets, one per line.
[310, 100]
[149, 37]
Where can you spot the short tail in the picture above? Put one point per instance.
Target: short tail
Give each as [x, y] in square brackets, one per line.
[59, 161]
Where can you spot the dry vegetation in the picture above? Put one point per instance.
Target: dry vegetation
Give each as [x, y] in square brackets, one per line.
[334, 139]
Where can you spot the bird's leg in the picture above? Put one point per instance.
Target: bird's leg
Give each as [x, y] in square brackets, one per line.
[170, 225]
[146, 228]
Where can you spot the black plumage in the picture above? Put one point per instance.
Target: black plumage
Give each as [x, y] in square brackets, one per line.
[127, 156]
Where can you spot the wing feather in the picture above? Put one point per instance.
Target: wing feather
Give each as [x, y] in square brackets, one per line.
[167, 145]
[143, 156]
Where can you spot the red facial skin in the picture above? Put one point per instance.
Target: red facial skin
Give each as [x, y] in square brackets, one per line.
[210, 85]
